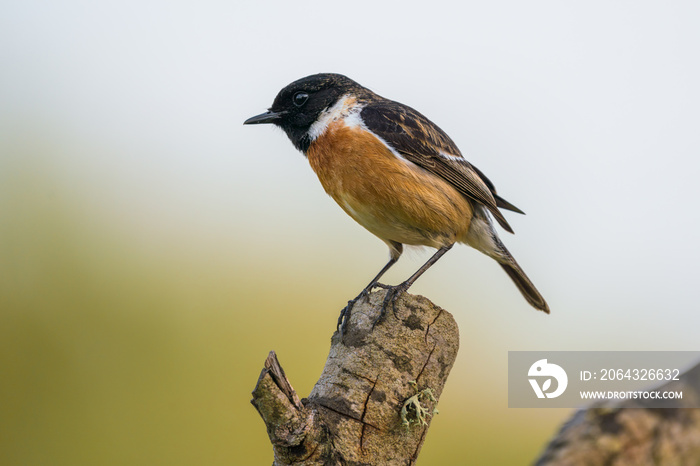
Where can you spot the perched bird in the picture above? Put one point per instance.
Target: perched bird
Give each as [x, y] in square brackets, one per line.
[396, 173]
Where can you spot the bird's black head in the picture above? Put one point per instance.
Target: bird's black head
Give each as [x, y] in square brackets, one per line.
[299, 104]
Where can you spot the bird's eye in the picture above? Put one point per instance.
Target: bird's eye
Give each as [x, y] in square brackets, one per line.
[300, 98]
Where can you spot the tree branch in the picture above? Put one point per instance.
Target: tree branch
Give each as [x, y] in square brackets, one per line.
[354, 413]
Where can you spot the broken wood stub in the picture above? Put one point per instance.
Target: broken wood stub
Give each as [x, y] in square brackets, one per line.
[353, 414]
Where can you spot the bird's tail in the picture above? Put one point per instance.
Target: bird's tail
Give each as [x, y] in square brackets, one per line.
[524, 284]
[482, 237]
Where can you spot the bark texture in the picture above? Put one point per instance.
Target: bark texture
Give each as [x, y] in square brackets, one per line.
[354, 413]
[629, 433]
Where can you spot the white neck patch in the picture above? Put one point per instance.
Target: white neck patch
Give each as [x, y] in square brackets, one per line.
[346, 109]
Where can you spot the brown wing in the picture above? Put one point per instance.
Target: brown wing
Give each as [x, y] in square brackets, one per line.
[420, 141]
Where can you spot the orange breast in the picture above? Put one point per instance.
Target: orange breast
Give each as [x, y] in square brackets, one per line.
[392, 198]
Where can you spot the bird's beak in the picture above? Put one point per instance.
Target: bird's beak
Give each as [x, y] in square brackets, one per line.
[267, 117]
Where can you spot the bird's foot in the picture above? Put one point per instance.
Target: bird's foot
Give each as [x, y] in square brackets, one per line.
[393, 293]
[344, 317]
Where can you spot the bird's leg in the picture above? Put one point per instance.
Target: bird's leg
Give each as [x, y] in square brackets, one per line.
[394, 292]
[395, 249]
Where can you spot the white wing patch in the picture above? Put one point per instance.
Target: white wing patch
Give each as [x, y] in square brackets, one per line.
[452, 157]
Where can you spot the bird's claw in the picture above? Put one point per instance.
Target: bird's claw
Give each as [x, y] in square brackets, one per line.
[344, 317]
[393, 293]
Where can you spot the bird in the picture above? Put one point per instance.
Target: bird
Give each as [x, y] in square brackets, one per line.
[397, 174]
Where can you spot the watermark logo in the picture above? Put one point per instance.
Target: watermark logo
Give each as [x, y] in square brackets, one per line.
[571, 379]
[547, 371]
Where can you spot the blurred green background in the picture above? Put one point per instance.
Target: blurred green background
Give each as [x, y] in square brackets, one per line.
[153, 250]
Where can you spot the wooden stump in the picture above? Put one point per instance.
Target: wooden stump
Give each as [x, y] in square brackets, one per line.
[374, 400]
